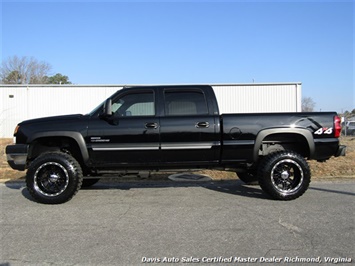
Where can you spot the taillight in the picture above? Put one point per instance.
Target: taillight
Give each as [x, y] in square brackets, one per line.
[337, 126]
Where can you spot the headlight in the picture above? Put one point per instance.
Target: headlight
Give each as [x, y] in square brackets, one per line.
[16, 129]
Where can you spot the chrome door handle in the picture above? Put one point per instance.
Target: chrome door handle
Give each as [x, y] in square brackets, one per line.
[151, 125]
[202, 124]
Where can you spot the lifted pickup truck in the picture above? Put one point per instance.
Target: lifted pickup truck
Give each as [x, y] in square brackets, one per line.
[171, 127]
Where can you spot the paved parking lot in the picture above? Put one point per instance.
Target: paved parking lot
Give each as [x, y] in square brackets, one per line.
[214, 223]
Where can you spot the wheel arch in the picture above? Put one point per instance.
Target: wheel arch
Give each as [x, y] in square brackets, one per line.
[72, 141]
[283, 135]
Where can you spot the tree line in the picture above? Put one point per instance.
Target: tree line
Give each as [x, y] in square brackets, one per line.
[29, 70]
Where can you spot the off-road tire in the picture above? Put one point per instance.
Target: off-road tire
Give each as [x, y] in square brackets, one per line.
[54, 178]
[284, 175]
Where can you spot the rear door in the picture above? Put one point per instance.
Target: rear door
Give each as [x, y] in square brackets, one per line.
[188, 131]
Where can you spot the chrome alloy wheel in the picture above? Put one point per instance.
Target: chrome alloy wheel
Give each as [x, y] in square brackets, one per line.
[51, 179]
[287, 176]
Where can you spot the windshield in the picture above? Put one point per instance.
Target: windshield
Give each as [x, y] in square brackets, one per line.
[99, 107]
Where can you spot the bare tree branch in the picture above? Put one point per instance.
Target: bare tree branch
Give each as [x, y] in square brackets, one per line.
[24, 70]
[308, 104]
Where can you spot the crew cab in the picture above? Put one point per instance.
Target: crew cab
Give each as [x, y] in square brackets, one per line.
[171, 127]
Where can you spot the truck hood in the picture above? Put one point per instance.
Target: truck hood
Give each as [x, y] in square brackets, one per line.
[52, 119]
[49, 126]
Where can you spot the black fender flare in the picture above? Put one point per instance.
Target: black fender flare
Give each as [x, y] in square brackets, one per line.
[76, 136]
[299, 131]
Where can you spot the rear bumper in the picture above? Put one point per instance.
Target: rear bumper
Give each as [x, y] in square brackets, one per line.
[325, 148]
[341, 151]
[17, 156]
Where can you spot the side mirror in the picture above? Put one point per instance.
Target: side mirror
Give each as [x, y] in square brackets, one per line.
[107, 110]
[107, 113]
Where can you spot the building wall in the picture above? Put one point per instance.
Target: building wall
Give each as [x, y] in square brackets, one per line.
[259, 98]
[21, 102]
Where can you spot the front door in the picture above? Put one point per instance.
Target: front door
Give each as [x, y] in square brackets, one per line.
[130, 135]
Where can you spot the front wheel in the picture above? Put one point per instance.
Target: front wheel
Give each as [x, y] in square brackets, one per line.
[54, 178]
[284, 175]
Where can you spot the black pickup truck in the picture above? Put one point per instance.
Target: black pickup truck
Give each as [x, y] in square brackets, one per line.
[171, 127]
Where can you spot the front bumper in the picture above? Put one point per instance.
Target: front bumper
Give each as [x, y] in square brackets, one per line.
[17, 156]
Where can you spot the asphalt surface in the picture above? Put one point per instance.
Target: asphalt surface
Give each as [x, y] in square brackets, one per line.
[169, 223]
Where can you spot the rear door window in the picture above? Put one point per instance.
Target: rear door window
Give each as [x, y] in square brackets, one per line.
[185, 102]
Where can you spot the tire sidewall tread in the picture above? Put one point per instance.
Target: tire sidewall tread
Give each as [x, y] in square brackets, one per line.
[69, 163]
[264, 174]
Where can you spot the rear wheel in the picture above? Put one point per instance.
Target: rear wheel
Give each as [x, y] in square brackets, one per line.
[284, 175]
[54, 178]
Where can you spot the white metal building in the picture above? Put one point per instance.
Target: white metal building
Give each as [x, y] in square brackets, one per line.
[22, 102]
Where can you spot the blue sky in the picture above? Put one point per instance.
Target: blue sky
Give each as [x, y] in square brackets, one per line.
[169, 42]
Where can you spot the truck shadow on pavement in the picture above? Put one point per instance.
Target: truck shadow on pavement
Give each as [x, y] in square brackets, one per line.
[332, 191]
[234, 187]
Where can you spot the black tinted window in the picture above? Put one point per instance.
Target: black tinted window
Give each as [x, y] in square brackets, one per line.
[185, 103]
[134, 104]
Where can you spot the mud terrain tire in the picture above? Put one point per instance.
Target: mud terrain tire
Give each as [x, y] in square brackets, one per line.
[54, 178]
[284, 175]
